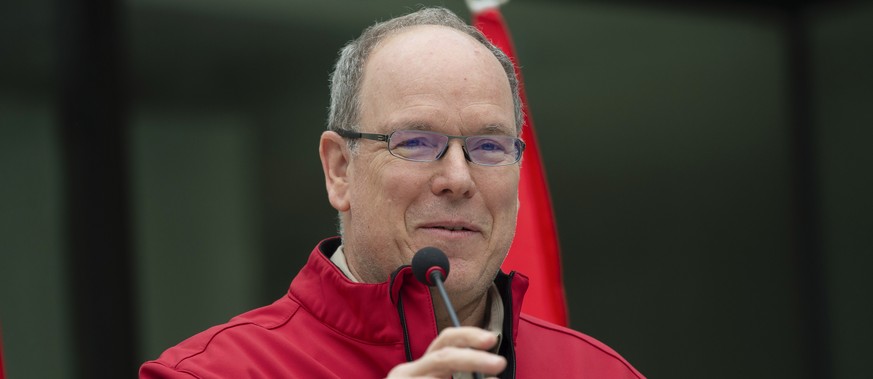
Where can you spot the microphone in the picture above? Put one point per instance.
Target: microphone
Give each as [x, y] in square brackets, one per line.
[431, 267]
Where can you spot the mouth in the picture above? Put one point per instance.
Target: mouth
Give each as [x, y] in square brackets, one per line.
[454, 227]
[451, 228]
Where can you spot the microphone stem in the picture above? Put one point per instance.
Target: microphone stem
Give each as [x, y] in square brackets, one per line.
[437, 278]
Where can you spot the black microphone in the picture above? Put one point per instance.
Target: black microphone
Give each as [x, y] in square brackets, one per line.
[431, 266]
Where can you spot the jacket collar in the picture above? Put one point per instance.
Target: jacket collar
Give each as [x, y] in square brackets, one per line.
[399, 311]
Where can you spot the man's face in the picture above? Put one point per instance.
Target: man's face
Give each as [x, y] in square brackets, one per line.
[438, 79]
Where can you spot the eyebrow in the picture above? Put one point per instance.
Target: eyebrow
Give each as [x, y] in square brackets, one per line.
[417, 125]
[489, 129]
[408, 125]
[496, 129]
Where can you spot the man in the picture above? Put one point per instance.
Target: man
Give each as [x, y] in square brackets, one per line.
[422, 150]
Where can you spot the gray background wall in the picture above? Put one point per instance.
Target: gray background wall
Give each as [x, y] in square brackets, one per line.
[669, 134]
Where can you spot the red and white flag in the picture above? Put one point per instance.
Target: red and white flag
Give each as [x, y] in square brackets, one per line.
[535, 250]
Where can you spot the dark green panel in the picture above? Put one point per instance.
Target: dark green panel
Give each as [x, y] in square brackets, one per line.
[195, 222]
[666, 145]
[843, 57]
[33, 289]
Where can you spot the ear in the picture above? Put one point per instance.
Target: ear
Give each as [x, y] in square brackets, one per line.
[335, 156]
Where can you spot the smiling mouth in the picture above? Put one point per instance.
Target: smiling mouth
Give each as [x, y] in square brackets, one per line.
[451, 228]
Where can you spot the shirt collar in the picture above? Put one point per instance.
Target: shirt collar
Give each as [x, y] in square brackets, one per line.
[339, 259]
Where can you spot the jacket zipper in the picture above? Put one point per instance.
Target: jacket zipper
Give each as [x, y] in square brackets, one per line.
[508, 321]
[509, 352]
[400, 312]
[406, 344]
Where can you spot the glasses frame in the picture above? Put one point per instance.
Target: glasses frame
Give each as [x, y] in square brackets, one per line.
[387, 138]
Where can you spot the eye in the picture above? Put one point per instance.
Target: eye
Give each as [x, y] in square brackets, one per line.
[486, 144]
[416, 140]
[411, 143]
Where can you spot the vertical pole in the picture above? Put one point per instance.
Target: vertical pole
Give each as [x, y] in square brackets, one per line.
[93, 130]
[809, 252]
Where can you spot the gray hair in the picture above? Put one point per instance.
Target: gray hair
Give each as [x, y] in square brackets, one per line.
[345, 82]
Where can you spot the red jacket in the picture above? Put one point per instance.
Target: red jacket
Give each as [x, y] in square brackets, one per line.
[329, 327]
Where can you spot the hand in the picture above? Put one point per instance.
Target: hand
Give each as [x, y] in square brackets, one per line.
[454, 350]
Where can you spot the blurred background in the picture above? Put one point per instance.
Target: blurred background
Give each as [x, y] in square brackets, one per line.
[710, 167]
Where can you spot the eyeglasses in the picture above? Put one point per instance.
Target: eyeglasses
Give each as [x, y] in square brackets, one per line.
[424, 146]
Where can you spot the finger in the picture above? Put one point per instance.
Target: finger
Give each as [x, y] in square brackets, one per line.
[444, 362]
[464, 336]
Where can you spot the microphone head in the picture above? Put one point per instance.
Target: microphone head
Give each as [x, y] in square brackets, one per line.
[428, 260]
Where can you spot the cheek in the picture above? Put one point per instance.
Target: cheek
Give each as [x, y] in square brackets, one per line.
[504, 196]
[504, 207]
[394, 189]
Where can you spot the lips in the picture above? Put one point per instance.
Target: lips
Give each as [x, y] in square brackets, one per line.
[451, 226]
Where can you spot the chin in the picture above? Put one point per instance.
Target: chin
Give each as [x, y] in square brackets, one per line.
[461, 281]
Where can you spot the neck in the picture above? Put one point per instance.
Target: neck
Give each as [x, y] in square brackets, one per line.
[469, 314]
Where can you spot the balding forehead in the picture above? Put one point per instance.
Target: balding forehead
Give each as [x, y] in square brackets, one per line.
[411, 46]
[425, 31]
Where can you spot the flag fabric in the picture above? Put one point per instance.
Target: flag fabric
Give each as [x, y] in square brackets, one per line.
[2, 370]
[535, 250]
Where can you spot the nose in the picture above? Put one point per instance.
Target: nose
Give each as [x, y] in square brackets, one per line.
[453, 177]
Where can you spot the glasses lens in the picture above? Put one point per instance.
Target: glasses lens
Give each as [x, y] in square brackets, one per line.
[417, 145]
[493, 150]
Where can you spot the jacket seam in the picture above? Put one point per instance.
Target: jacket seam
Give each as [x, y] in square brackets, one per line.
[176, 369]
[228, 327]
[575, 335]
[340, 332]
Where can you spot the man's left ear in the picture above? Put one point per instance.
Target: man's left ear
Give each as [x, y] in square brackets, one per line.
[335, 156]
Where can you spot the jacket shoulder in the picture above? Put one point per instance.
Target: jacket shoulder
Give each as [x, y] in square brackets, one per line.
[543, 345]
[211, 346]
